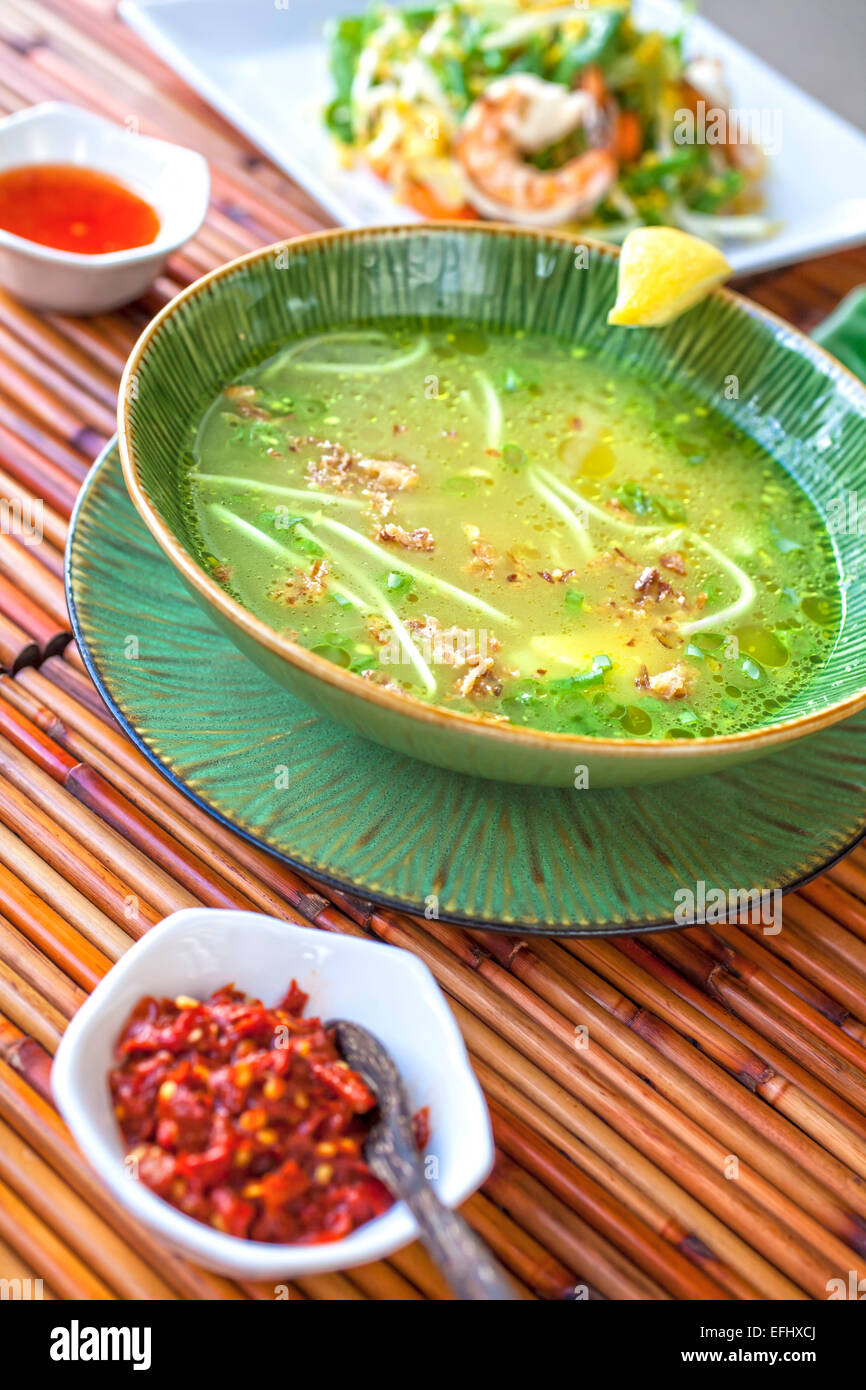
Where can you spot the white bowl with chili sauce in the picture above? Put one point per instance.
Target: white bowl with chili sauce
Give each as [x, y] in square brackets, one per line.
[173, 180]
[387, 990]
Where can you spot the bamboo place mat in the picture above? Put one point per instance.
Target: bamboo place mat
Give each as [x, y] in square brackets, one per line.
[710, 1143]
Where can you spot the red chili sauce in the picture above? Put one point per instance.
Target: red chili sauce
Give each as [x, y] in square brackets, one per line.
[246, 1118]
[74, 209]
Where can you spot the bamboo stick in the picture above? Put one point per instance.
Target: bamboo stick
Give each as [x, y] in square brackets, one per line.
[33, 622]
[46, 929]
[822, 1059]
[54, 525]
[17, 648]
[48, 371]
[38, 971]
[12, 1267]
[659, 1206]
[769, 976]
[39, 1125]
[850, 874]
[59, 894]
[768, 1138]
[643, 977]
[678, 1089]
[415, 1264]
[331, 1288]
[838, 901]
[28, 1010]
[24, 388]
[102, 340]
[118, 811]
[28, 466]
[268, 882]
[382, 1281]
[568, 1237]
[26, 1056]
[155, 886]
[36, 1243]
[26, 326]
[844, 952]
[59, 673]
[528, 1260]
[72, 654]
[77, 864]
[751, 1271]
[61, 459]
[661, 1260]
[54, 1202]
[38, 569]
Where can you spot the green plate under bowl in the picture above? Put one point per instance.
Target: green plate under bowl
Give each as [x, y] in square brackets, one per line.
[401, 832]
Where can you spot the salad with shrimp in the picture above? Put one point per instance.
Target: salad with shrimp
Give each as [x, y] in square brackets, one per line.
[542, 114]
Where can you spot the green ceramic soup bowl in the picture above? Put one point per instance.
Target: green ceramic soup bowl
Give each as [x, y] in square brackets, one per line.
[789, 395]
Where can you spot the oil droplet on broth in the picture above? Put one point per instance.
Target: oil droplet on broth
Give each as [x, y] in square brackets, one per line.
[762, 644]
[598, 462]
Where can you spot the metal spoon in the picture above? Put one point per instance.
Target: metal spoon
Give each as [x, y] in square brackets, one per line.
[393, 1156]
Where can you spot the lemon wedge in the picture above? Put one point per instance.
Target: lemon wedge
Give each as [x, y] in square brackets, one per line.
[663, 272]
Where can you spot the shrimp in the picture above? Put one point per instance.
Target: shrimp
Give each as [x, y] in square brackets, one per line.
[522, 114]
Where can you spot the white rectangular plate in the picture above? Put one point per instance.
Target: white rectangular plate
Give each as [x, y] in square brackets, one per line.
[265, 68]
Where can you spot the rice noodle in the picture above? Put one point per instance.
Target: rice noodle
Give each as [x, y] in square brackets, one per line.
[370, 546]
[395, 364]
[732, 613]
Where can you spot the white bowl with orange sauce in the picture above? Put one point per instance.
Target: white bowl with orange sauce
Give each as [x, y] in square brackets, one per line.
[69, 178]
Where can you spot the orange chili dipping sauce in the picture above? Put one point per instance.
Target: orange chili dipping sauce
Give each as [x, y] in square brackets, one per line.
[246, 1118]
[74, 209]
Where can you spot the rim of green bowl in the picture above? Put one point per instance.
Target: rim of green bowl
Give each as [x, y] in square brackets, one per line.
[764, 736]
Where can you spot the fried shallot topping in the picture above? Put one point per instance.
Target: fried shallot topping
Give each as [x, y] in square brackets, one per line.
[451, 646]
[478, 677]
[342, 470]
[674, 684]
[519, 570]
[484, 555]
[377, 676]
[651, 585]
[419, 539]
[555, 576]
[302, 586]
[379, 630]
[673, 561]
[243, 402]
[468, 652]
[612, 557]
[667, 637]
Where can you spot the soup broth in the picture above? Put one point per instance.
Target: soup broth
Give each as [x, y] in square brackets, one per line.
[500, 524]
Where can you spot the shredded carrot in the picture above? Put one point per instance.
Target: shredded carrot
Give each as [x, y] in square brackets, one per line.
[419, 197]
[592, 81]
[629, 137]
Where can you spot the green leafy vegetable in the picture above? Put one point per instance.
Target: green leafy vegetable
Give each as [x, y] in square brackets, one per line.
[640, 503]
[592, 47]
[585, 680]
[399, 582]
